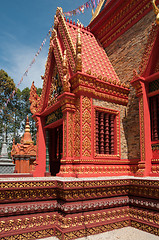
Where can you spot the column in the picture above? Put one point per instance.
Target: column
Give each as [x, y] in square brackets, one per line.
[47, 172]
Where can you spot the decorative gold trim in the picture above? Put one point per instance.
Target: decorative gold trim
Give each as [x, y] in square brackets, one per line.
[156, 11]
[31, 235]
[58, 53]
[28, 184]
[95, 230]
[145, 227]
[78, 66]
[114, 20]
[28, 222]
[142, 129]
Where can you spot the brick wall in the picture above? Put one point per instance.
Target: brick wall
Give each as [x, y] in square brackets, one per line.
[125, 54]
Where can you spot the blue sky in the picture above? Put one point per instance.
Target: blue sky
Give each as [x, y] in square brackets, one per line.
[23, 26]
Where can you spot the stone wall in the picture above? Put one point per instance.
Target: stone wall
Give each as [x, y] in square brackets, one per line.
[125, 54]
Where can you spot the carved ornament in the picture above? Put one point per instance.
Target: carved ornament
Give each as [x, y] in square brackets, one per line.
[34, 100]
[156, 11]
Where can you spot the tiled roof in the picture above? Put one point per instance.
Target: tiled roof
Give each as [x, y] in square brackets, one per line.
[93, 55]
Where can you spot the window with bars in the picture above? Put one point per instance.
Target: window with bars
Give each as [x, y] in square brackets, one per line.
[105, 137]
[154, 113]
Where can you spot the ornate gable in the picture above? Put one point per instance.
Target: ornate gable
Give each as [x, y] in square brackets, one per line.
[73, 49]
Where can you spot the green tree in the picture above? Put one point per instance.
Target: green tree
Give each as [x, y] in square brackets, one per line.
[16, 116]
[7, 87]
[13, 116]
[25, 110]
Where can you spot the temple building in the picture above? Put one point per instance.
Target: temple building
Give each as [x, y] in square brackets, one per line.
[98, 111]
[24, 153]
[96, 167]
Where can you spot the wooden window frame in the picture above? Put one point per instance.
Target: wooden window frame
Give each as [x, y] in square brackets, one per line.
[116, 115]
[154, 117]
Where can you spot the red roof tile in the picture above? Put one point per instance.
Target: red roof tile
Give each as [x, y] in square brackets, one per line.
[94, 56]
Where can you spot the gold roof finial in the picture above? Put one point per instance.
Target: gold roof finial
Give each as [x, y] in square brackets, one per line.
[27, 139]
[156, 11]
[27, 127]
[66, 86]
[78, 52]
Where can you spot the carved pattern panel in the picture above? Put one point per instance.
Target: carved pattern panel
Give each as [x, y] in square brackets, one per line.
[70, 134]
[86, 126]
[77, 130]
[56, 87]
[142, 129]
[65, 135]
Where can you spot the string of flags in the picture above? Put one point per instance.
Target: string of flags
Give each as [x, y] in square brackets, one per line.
[89, 4]
[27, 70]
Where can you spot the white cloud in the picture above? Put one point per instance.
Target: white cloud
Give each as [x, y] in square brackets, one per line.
[18, 58]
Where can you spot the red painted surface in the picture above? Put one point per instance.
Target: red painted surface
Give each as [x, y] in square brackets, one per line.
[41, 150]
[149, 158]
[41, 208]
[147, 134]
[24, 153]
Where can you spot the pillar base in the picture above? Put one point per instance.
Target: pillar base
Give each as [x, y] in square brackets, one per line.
[47, 174]
[143, 170]
[92, 170]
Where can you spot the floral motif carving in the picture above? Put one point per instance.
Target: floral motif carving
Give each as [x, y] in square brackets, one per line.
[70, 134]
[86, 126]
[53, 117]
[56, 87]
[77, 129]
[66, 85]
[78, 53]
[98, 206]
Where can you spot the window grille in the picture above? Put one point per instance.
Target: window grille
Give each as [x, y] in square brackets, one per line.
[153, 86]
[105, 132]
[154, 112]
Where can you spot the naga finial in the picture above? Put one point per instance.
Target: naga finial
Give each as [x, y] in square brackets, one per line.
[66, 86]
[156, 11]
[59, 11]
[34, 99]
[56, 22]
[54, 34]
[78, 52]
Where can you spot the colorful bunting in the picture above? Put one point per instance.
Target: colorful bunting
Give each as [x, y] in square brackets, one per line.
[27, 70]
[89, 4]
